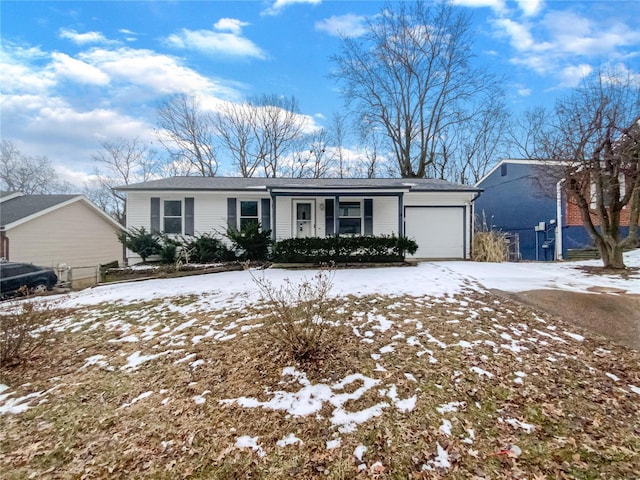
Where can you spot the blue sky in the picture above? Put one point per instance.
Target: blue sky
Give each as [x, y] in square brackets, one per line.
[74, 74]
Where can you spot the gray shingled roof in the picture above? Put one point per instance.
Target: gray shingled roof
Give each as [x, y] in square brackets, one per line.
[4, 194]
[255, 183]
[26, 205]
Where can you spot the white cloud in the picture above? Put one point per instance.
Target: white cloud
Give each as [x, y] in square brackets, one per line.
[519, 35]
[348, 25]
[82, 38]
[571, 75]
[524, 92]
[530, 7]
[153, 73]
[279, 5]
[232, 25]
[563, 44]
[496, 5]
[18, 76]
[77, 70]
[225, 41]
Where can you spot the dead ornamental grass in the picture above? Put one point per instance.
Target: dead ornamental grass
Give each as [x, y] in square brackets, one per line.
[99, 424]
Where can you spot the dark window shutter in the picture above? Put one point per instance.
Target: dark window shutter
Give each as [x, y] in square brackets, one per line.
[368, 216]
[155, 214]
[189, 220]
[328, 216]
[266, 214]
[232, 214]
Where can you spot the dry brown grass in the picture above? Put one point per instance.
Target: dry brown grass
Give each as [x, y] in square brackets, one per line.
[490, 246]
[586, 423]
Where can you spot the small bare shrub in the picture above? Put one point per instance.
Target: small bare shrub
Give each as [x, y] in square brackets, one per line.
[23, 329]
[300, 321]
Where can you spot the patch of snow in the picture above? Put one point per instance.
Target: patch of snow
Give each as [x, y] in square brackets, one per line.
[136, 359]
[527, 427]
[445, 427]
[127, 339]
[142, 396]
[410, 377]
[290, 439]
[95, 360]
[481, 372]
[441, 460]
[250, 442]
[200, 399]
[450, 407]
[359, 452]
[634, 389]
[331, 444]
[575, 336]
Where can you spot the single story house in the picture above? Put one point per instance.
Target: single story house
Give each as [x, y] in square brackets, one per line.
[526, 199]
[65, 232]
[436, 213]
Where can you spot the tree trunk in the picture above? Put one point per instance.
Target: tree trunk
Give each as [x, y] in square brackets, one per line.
[611, 256]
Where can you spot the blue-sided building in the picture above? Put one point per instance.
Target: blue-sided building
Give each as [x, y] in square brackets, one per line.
[523, 198]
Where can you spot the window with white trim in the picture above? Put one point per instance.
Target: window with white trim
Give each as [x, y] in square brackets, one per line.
[249, 212]
[172, 216]
[350, 221]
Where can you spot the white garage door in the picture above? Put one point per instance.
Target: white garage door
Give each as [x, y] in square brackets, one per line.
[439, 231]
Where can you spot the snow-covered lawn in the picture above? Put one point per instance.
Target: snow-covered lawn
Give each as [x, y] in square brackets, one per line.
[432, 374]
[235, 289]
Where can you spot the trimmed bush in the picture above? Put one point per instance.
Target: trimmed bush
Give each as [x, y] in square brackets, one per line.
[139, 241]
[206, 248]
[250, 242]
[382, 248]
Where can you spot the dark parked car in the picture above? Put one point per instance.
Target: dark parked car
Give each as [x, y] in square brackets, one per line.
[30, 278]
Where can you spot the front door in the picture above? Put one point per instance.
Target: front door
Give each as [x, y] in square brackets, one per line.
[304, 224]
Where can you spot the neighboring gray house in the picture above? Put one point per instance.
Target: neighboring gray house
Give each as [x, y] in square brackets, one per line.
[436, 213]
[57, 231]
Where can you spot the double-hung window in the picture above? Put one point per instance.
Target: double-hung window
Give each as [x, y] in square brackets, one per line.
[350, 221]
[172, 216]
[248, 212]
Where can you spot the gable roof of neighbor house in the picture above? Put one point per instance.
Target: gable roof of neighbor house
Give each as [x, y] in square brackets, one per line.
[518, 161]
[266, 184]
[20, 208]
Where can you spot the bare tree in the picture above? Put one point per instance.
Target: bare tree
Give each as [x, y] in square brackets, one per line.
[526, 134]
[465, 155]
[371, 146]
[595, 134]
[29, 175]
[186, 131]
[235, 125]
[276, 128]
[120, 162]
[411, 73]
[313, 156]
[339, 133]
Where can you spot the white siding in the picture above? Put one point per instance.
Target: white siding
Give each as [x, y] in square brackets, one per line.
[385, 215]
[139, 210]
[283, 217]
[210, 213]
[74, 235]
[209, 209]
